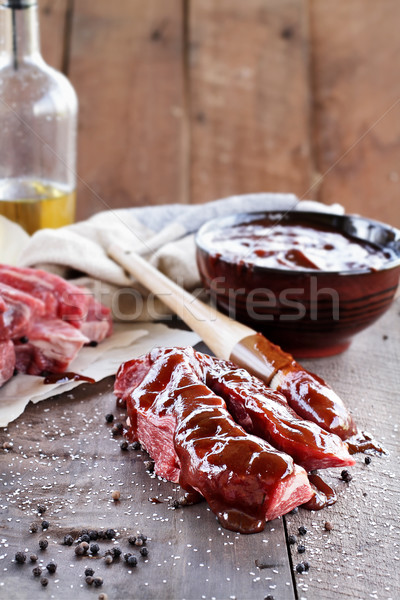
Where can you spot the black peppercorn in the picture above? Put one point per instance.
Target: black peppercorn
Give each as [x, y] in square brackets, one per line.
[132, 540]
[110, 533]
[302, 530]
[89, 571]
[117, 429]
[37, 571]
[292, 539]
[20, 557]
[93, 534]
[367, 460]
[301, 548]
[138, 541]
[51, 567]
[85, 538]
[306, 566]
[89, 580]
[108, 559]
[109, 418]
[300, 568]
[136, 446]
[44, 581]
[124, 445]
[116, 552]
[98, 581]
[68, 540]
[144, 551]
[94, 549]
[43, 544]
[346, 476]
[132, 561]
[81, 548]
[33, 527]
[41, 508]
[33, 558]
[45, 525]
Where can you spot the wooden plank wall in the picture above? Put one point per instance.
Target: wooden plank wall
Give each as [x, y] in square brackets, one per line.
[191, 100]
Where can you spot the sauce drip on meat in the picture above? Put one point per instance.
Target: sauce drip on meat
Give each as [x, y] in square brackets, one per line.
[293, 246]
[266, 413]
[64, 377]
[325, 495]
[307, 394]
[363, 441]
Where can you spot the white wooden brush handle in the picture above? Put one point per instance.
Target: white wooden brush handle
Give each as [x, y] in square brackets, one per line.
[219, 332]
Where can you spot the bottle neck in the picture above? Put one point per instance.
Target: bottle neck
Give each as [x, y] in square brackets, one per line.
[19, 31]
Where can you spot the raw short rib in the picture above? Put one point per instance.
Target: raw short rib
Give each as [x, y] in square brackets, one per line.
[194, 441]
[46, 320]
[258, 409]
[52, 346]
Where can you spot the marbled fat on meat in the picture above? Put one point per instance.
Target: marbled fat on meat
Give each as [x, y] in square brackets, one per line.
[7, 361]
[52, 346]
[20, 311]
[45, 321]
[62, 299]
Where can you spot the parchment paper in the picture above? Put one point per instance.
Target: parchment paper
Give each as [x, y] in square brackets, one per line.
[128, 341]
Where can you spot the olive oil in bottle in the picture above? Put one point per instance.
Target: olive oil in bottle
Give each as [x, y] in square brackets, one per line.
[36, 204]
[38, 126]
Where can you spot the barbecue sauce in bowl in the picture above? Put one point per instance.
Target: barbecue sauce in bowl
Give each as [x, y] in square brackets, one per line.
[308, 281]
[294, 246]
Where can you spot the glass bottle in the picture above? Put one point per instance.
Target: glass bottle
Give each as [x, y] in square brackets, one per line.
[38, 126]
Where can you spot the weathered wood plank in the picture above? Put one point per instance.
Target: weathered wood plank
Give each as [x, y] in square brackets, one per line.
[356, 85]
[53, 29]
[126, 66]
[360, 557]
[249, 97]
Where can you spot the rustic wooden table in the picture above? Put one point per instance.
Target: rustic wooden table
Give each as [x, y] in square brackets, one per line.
[65, 457]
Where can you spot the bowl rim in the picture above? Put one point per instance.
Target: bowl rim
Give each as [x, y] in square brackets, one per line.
[243, 217]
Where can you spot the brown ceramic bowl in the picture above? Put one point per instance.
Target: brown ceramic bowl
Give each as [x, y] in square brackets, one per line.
[310, 313]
